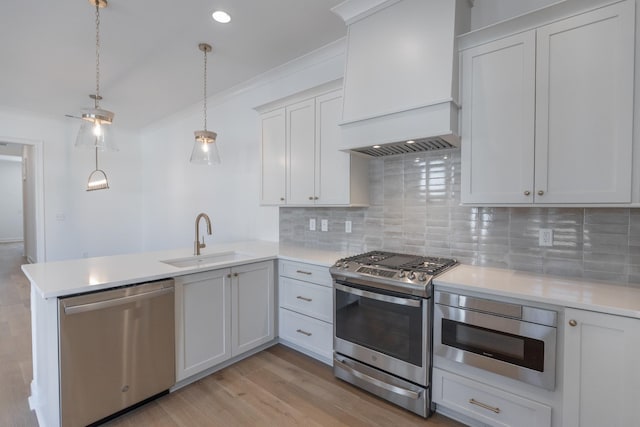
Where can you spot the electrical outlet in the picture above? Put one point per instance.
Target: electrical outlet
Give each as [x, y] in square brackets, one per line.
[324, 225]
[347, 226]
[546, 237]
[312, 224]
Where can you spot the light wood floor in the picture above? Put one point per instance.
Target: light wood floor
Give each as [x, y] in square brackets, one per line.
[277, 387]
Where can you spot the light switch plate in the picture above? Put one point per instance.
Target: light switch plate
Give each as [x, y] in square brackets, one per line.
[347, 226]
[324, 225]
[312, 224]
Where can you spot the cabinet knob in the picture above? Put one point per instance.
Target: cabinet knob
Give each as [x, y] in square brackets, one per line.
[527, 193]
[229, 276]
[282, 199]
[572, 322]
[235, 274]
[315, 198]
[540, 193]
[310, 197]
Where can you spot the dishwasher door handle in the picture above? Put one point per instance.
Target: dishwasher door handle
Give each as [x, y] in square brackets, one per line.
[99, 305]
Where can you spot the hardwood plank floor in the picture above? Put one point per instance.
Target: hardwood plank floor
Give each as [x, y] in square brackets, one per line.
[277, 387]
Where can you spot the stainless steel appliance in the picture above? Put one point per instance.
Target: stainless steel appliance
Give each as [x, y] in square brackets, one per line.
[382, 325]
[116, 350]
[509, 339]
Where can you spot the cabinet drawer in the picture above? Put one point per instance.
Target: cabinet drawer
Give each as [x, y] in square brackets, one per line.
[307, 298]
[307, 272]
[487, 404]
[309, 333]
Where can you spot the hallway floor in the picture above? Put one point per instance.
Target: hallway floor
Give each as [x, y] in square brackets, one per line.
[15, 339]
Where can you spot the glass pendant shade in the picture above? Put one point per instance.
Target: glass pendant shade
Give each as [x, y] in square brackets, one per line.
[95, 130]
[205, 150]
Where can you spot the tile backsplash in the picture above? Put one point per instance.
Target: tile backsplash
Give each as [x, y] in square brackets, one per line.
[415, 208]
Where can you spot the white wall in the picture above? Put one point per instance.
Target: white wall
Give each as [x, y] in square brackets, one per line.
[175, 191]
[11, 225]
[76, 221]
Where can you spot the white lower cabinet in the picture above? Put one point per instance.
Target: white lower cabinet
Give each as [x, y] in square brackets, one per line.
[601, 375]
[306, 309]
[221, 314]
[487, 404]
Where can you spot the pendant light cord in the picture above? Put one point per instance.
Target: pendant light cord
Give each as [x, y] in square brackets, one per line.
[205, 89]
[97, 100]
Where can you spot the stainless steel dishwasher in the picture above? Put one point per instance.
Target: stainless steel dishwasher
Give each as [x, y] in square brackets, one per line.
[117, 349]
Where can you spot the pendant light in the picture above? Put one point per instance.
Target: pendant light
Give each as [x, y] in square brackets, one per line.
[96, 122]
[205, 151]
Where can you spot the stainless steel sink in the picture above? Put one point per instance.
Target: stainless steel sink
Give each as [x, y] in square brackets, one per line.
[207, 259]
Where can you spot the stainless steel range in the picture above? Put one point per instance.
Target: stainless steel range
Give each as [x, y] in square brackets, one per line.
[383, 325]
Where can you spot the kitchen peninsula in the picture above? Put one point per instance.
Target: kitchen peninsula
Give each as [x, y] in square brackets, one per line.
[55, 280]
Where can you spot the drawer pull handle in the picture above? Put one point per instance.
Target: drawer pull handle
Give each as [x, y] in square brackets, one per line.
[304, 298]
[484, 405]
[308, 273]
[300, 331]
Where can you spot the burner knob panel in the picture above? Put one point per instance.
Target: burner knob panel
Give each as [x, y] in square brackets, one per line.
[422, 277]
[411, 276]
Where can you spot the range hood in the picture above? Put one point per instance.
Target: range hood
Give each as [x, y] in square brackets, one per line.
[400, 90]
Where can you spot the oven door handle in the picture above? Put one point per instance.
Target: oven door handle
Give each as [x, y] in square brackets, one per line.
[415, 395]
[379, 297]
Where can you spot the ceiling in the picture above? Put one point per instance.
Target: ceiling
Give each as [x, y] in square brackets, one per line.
[150, 65]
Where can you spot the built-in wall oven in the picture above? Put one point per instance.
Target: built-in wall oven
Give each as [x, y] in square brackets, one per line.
[383, 325]
[512, 340]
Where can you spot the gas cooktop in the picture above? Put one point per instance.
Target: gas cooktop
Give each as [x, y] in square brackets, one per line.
[398, 272]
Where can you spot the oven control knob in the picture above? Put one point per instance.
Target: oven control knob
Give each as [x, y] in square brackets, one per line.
[411, 276]
[338, 264]
[422, 277]
[402, 273]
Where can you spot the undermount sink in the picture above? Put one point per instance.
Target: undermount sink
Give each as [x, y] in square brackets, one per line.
[207, 259]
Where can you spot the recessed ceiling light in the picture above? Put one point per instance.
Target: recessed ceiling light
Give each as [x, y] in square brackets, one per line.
[411, 141]
[221, 16]
[376, 146]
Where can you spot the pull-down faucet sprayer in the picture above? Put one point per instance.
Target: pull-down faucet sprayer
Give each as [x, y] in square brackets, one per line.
[197, 245]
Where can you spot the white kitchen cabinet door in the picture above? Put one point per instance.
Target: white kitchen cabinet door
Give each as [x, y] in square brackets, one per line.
[203, 321]
[252, 300]
[273, 158]
[601, 375]
[301, 152]
[333, 165]
[498, 105]
[584, 114]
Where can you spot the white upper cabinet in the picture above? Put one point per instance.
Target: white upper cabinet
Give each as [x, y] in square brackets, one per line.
[272, 159]
[498, 120]
[301, 161]
[547, 113]
[584, 109]
[301, 149]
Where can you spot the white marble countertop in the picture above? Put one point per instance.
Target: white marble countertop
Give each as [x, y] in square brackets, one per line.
[574, 293]
[62, 278]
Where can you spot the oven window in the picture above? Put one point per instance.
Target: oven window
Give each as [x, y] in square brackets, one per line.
[516, 349]
[392, 329]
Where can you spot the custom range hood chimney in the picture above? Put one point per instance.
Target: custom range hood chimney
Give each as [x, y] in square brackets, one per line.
[401, 75]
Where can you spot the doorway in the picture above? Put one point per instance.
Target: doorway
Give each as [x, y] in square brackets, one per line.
[22, 193]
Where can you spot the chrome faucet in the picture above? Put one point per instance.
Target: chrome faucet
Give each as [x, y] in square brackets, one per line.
[197, 245]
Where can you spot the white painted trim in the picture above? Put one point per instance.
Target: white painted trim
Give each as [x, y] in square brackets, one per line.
[11, 240]
[39, 191]
[7, 158]
[354, 10]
